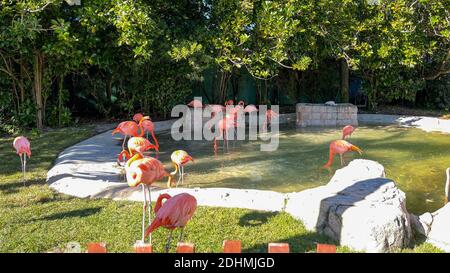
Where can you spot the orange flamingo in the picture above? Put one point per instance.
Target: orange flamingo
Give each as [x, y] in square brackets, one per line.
[145, 171]
[22, 146]
[179, 159]
[130, 128]
[174, 213]
[347, 131]
[136, 145]
[340, 147]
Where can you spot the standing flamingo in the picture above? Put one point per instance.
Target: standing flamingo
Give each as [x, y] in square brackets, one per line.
[223, 126]
[347, 131]
[447, 186]
[340, 147]
[250, 108]
[22, 146]
[174, 213]
[179, 159]
[269, 115]
[136, 145]
[130, 128]
[149, 127]
[145, 171]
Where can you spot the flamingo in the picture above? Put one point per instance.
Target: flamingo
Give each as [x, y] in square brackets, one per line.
[447, 186]
[130, 128]
[22, 146]
[223, 126]
[145, 171]
[250, 108]
[229, 102]
[340, 147]
[179, 159]
[195, 104]
[149, 127]
[269, 115]
[137, 117]
[136, 145]
[174, 213]
[347, 131]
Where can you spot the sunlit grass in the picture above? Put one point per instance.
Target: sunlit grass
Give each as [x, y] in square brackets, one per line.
[34, 218]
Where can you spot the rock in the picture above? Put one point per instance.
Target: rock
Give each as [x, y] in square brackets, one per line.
[422, 224]
[439, 234]
[358, 208]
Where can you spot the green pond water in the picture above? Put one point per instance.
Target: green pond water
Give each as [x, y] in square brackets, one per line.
[414, 159]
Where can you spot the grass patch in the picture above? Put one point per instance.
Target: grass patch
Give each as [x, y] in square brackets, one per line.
[34, 218]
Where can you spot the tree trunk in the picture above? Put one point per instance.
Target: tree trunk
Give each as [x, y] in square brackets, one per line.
[344, 81]
[38, 75]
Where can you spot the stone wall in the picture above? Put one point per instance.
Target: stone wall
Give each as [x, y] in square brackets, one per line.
[326, 115]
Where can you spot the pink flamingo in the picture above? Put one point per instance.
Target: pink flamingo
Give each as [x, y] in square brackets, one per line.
[22, 146]
[137, 117]
[223, 126]
[195, 104]
[145, 171]
[347, 131]
[130, 128]
[179, 159]
[269, 115]
[174, 213]
[136, 145]
[340, 147]
[149, 127]
[250, 108]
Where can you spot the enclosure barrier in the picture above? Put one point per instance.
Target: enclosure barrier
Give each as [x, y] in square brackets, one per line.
[229, 246]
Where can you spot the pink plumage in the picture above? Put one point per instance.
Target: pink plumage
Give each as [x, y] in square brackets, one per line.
[174, 213]
[347, 131]
[195, 104]
[250, 108]
[137, 117]
[22, 145]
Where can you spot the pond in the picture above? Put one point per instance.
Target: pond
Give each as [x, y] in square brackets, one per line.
[414, 159]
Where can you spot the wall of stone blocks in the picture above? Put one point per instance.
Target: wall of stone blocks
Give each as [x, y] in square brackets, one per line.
[326, 115]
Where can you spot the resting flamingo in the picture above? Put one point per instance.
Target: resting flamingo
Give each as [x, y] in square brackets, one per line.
[145, 171]
[174, 213]
[136, 145]
[179, 159]
[340, 147]
[347, 131]
[447, 186]
[22, 146]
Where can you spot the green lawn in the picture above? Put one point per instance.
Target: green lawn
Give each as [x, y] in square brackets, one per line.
[34, 218]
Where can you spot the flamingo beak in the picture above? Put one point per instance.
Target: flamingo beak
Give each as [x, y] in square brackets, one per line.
[355, 148]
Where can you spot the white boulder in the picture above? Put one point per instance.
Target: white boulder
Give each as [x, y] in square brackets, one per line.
[358, 208]
[439, 234]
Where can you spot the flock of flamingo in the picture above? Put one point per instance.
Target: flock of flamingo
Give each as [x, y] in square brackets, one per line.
[144, 170]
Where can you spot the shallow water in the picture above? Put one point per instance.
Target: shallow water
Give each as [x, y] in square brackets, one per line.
[414, 159]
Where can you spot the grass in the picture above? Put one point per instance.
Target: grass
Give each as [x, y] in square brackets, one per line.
[34, 218]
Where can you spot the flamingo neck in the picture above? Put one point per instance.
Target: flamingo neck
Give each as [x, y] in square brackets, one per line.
[330, 159]
[132, 159]
[160, 199]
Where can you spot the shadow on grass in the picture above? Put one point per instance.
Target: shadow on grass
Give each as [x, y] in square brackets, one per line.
[14, 187]
[297, 244]
[255, 218]
[69, 214]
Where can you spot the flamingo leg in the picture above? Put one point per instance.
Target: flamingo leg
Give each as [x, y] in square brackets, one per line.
[24, 167]
[179, 174]
[182, 174]
[123, 143]
[168, 241]
[342, 160]
[181, 235]
[21, 166]
[149, 211]
[144, 206]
